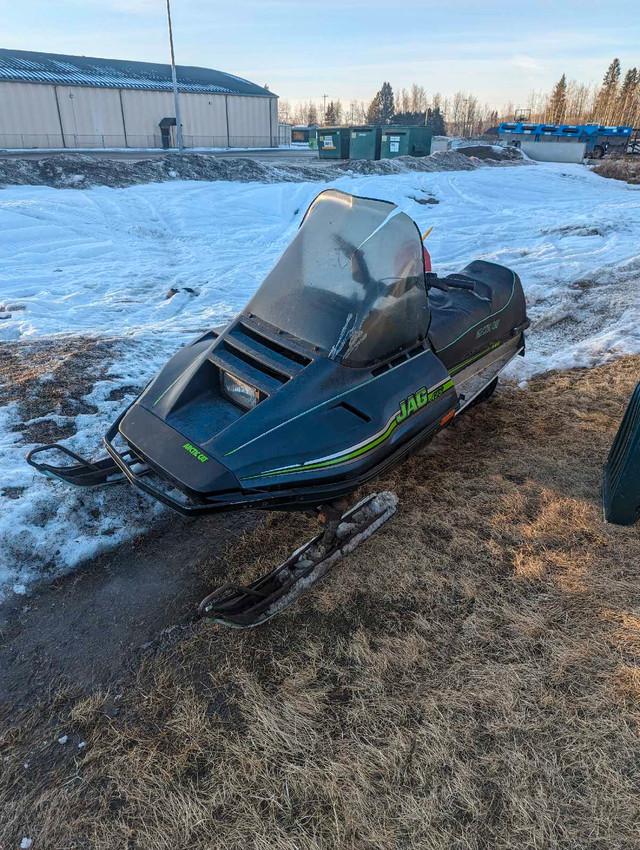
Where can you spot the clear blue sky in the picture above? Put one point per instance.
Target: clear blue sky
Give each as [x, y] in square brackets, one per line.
[499, 49]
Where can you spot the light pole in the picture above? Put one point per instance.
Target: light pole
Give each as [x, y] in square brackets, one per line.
[175, 82]
[324, 107]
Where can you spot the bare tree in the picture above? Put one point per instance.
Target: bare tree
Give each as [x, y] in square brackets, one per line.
[418, 99]
[403, 101]
[284, 112]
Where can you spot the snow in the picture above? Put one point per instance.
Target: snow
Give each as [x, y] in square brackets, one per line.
[102, 261]
[63, 739]
[26, 843]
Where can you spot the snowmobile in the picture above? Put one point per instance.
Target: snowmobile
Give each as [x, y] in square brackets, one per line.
[350, 355]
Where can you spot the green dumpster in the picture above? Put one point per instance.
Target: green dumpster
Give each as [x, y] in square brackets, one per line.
[405, 141]
[313, 138]
[365, 143]
[333, 142]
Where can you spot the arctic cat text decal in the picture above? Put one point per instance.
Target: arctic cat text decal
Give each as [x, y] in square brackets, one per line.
[195, 452]
[492, 326]
[408, 406]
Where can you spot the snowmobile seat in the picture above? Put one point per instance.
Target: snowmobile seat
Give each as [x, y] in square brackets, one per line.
[468, 301]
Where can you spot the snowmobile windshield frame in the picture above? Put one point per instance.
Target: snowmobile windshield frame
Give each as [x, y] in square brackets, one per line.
[351, 282]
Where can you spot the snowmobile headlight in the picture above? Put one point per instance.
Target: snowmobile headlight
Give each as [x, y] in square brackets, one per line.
[239, 392]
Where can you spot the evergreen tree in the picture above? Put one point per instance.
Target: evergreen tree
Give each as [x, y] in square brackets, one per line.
[409, 119]
[628, 98]
[558, 101]
[608, 94]
[333, 115]
[381, 108]
[312, 114]
[374, 110]
[435, 120]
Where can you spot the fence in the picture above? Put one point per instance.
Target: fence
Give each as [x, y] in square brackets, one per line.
[28, 141]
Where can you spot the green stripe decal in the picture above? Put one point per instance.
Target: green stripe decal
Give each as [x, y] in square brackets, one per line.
[398, 418]
[475, 357]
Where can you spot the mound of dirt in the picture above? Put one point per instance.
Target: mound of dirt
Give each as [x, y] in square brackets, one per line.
[492, 152]
[82, 171]
[625, 168]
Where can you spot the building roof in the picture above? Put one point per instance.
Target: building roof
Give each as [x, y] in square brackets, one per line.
[27, 66]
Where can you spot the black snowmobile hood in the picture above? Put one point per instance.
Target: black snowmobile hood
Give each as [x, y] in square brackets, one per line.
[316, 423]
[345, 305]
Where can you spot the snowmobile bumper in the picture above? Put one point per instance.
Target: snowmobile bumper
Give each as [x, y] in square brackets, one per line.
[188, 501]
[82, 473]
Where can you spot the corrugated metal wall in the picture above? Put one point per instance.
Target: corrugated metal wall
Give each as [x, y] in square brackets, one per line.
[29, 116]
[143, 111]
[34, 115]
[249, 119]
[91, 118]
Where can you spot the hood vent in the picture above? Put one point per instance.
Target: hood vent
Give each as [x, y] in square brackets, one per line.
[257, 359]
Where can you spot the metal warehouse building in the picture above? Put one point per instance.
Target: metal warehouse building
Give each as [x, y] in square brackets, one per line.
[49, 100]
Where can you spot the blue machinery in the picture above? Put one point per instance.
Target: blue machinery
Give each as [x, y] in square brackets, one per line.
[598, 138]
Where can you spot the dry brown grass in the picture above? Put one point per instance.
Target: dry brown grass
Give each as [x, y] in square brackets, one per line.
[468, 680]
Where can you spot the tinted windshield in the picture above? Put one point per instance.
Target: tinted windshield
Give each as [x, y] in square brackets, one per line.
[351, 281]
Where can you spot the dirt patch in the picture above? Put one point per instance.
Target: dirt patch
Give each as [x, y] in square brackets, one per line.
[48, 379]
[424, 201]
[625, 168]
[80, 171]
[467, 679]
[88, 630]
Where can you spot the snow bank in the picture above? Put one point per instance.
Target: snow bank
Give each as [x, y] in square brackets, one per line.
[102, 262]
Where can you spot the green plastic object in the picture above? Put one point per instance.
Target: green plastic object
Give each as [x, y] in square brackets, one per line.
[621, 475]
[365, 143]
[405, 141]
[333, 142]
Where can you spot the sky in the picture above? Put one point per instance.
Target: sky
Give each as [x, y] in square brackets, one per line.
[500, 50]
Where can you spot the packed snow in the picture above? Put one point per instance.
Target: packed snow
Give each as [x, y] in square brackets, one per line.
[150, 266]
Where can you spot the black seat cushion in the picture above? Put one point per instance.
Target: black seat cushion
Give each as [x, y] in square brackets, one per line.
[459, 317]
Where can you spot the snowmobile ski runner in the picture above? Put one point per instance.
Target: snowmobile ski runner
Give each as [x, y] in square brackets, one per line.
[349, 356]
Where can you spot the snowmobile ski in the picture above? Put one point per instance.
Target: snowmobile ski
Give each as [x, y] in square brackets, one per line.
[246, 607]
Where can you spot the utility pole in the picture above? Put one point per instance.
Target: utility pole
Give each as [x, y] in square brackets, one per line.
[175, 82]
[324, 106]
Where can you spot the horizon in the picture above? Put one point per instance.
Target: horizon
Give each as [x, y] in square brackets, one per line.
[481, 51]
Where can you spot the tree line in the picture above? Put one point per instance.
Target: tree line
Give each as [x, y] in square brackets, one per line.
[616, 101]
